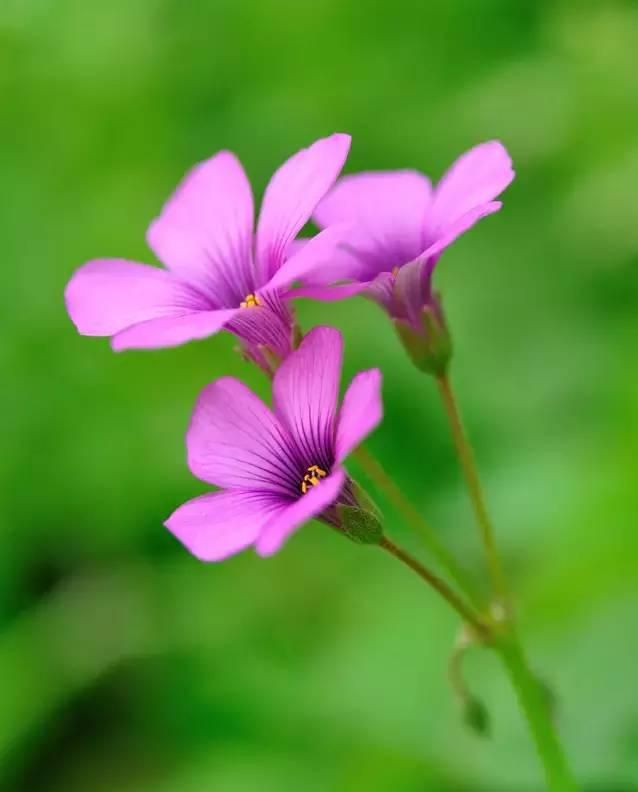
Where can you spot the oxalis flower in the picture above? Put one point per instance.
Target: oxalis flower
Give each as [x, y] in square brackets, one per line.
[277, 468]
[219, 272]
[401, 226]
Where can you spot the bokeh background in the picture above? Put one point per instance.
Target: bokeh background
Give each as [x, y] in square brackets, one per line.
[124, 663]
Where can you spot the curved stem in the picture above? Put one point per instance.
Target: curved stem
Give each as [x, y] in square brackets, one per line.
[533, 702]
[464, 642]
[378, 475]
[468, 464]
[439, 585]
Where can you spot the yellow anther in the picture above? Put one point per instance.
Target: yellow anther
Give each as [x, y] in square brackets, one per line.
[313, 476]
[251, 301]
[395, 271]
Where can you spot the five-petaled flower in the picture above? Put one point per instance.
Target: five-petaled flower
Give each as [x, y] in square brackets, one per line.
[219, 272]
[277, 468]
[401, 226]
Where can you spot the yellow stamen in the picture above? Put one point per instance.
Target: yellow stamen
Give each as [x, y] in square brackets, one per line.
[251, 301]
[313, 476]
[395, 271]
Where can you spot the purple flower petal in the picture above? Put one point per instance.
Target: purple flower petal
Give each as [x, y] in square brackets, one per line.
[268, 325]
[172, 331]
[412, 291]
[285, 522]
[359, 258]
[235, 442]
[204, 231]
[297, 245]
[477, 177]
[388, 209]
[291, 196]
[305, 393]
[317, 256]
[458, 227]
[381, 290]
[329, 293]
[108, 295]
[361, 412]
[220, 524]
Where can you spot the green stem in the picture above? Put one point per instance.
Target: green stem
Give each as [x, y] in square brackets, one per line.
[533, 702]
[373, 468]
[439, 585]
[531, 696]
[468, 465]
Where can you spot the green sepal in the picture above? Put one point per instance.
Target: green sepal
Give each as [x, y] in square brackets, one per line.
[476, 717]
[364, 501]
[272, 359]
[297, 335]
[359, 525]
[431, 349]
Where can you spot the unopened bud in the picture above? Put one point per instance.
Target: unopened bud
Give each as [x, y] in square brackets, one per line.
[473, 712]
[476, 717]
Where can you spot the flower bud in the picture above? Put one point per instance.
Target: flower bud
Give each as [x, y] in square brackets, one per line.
[473, 712]
[476, 717]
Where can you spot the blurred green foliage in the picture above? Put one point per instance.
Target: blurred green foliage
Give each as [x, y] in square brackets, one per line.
[124, 663]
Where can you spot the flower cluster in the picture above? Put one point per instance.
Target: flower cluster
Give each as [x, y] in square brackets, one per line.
[381, 236]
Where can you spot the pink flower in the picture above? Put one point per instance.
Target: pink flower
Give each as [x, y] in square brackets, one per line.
[277, 468]
[219, 273]
[402, 225]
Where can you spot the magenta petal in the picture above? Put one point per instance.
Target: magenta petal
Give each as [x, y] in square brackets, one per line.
[291, 196]
[460, 226]
[412, 291]
[285, 522]
[270, 325]
[172, 330]
[329, 293]
[361, 412]
[305, 393]
[477, 177]
[381, 290]
[358, 257]
[235, 441]
[296, 246]
[205, 230]
[220, 524]
[387, 207]
[107, 295]
[317, 255]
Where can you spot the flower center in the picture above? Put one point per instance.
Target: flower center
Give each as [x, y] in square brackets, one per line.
[250, 301]
[313, 476]
[395, 271]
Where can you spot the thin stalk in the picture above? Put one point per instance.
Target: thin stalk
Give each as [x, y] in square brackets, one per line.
[386, 484]
[439, 585]
[468, 465]
[531, 697]
[464, 642]
[533, 702]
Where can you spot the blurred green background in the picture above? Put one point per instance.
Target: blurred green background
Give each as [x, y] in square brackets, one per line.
[124, 663]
